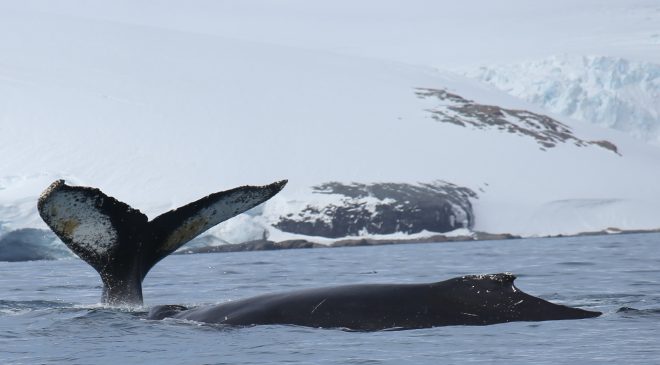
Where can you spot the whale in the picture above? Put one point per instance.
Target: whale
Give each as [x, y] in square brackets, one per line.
[122, 245]
[120, 242]
[466, 300]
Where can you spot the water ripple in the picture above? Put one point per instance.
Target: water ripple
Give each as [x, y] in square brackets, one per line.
[57, 318]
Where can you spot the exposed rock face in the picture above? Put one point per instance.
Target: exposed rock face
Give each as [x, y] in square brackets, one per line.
[546, 131]
[383, 208]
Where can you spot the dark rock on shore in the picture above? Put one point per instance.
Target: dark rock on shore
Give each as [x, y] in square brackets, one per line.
[266, 245]
[477, 236]
[383, 208]
[258, 245]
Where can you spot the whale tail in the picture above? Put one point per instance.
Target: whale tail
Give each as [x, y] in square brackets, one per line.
[121, 244]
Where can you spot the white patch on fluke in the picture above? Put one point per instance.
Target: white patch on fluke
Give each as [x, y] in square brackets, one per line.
[225, 207]
[75, 215]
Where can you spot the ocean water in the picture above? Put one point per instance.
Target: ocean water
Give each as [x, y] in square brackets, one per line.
[49, 311]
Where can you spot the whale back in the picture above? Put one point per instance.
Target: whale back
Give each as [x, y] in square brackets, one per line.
[467, 300]
[493, 298]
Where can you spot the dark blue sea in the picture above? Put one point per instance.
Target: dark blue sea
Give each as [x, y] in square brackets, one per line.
[49, 311]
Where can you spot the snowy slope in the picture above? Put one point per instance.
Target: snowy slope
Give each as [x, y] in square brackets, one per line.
[158, 112]
[618, 89]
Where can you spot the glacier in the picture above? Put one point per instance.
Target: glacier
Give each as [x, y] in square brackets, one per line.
[611, 92]
[31, 244]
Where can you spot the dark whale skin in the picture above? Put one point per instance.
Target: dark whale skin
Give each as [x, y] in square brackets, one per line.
[467, 300]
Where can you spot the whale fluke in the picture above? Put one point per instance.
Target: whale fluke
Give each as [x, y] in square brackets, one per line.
[121, 243]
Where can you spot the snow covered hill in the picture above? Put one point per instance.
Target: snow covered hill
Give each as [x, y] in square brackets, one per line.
[158, 112]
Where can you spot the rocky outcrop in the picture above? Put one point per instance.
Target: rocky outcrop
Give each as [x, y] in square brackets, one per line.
[546, 131]
[382, 208]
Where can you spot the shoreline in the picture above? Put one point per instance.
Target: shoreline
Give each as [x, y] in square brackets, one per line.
[267, 245]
